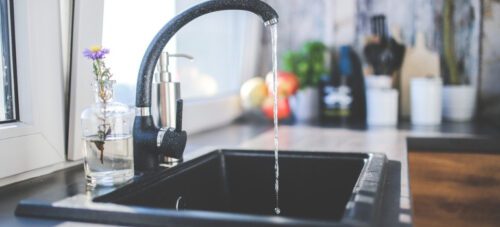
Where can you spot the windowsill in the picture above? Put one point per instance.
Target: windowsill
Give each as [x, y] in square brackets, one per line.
[38, 172]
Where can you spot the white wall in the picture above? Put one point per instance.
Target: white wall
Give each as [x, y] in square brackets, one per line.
[490, 75]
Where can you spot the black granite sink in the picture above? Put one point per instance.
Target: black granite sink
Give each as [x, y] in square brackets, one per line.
[236, 187]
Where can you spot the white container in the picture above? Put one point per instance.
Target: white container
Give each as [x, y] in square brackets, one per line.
[425, 99]
[459, 102]
[382, 107]
[305, 104]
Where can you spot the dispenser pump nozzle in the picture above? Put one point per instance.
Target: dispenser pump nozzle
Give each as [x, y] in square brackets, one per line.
[165, 75]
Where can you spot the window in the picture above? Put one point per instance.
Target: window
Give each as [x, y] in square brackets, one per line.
[7, 83]
[36, 138]
[217, 41]
[128, 37]
[224, 45]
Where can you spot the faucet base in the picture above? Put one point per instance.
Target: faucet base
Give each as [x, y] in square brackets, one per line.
[147, 154]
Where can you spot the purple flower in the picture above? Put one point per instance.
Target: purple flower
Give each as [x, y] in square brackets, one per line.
[95, 52]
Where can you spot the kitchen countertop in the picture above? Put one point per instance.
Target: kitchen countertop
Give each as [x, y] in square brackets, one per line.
[394, 142]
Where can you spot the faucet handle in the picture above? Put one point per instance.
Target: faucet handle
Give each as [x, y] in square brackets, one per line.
[178, 117]
[170, 143]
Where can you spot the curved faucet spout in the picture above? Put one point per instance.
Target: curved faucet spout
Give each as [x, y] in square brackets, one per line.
[153, 52]
[151, 144]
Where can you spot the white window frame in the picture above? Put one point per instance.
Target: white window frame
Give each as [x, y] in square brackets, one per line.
[38, 139]
[199, 115]
[86, 15]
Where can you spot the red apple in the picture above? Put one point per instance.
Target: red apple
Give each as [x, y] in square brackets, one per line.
[283, 108]
[288, 83]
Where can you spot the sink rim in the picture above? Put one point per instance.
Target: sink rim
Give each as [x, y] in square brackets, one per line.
[361, 208]
[149, 178]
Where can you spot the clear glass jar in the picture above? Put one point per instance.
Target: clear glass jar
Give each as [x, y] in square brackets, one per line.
[107, 138]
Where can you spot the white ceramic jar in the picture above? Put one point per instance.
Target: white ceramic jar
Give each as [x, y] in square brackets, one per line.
[459, 102]
[425, 99]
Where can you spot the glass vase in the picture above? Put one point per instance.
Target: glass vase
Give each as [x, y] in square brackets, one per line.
[107, 138]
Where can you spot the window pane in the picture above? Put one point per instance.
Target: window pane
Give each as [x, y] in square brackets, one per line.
[128, 27]
[7, 88]
[216, 41]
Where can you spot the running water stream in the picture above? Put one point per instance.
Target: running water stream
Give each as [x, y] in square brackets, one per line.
[274, 40]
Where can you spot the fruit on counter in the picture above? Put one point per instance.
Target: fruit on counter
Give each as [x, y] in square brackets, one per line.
[283, 107]
[288, 83]
[253, 93]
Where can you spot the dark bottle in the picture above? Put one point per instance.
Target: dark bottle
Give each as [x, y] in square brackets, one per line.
[326, 88]
[342, 92]
[356, 82]
[335, 93]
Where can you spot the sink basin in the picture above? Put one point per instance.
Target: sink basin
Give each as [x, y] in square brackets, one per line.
[236, 187]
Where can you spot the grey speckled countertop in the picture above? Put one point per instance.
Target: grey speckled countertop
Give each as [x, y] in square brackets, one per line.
[394, 142]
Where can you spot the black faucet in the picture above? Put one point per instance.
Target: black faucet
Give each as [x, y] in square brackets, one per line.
[152, 144]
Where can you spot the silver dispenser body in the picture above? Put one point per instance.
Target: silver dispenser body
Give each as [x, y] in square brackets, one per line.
[166, 93]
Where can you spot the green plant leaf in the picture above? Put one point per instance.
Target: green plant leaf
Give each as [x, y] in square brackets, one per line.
[307, 64]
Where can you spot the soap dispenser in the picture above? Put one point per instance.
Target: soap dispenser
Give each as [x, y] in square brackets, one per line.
[168, 92]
